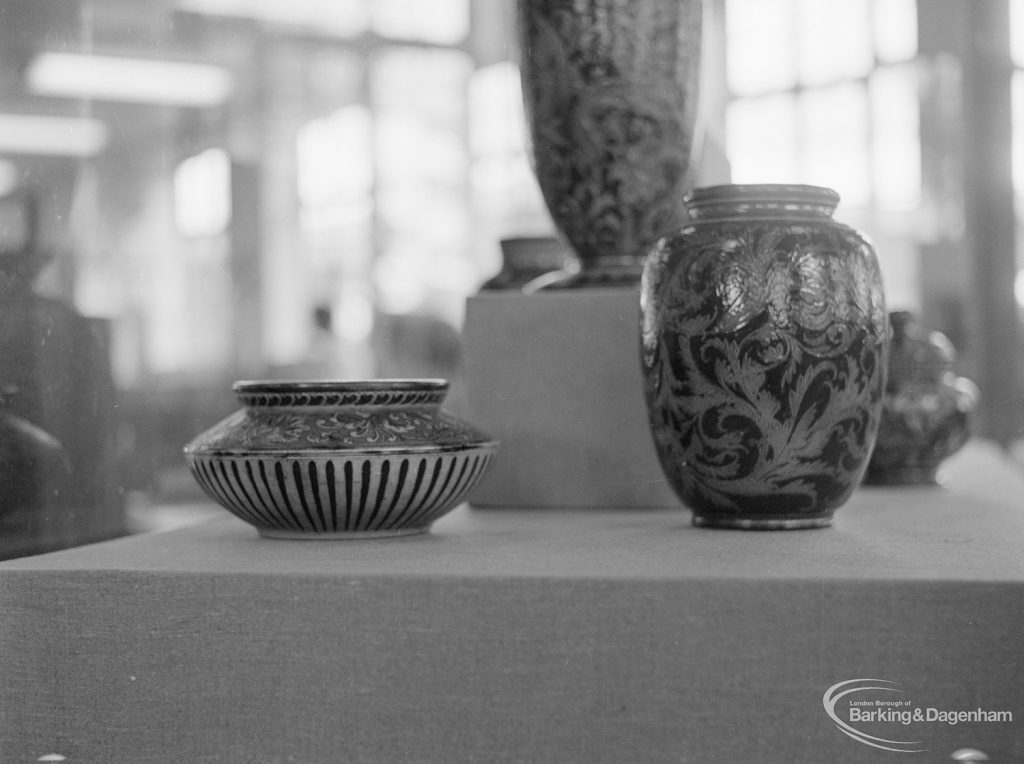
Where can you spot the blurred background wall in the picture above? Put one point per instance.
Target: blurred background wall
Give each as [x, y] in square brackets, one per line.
[227, 189]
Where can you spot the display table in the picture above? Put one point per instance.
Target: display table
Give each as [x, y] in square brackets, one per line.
[540, 636]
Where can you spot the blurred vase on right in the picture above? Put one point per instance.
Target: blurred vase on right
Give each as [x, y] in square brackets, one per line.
[927, 408]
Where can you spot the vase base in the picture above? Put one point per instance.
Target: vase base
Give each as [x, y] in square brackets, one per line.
[276, 533]
[762, 523]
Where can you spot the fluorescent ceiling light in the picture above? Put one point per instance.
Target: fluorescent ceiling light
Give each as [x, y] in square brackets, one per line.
[56, 136]
[130, 80]
[341, 17]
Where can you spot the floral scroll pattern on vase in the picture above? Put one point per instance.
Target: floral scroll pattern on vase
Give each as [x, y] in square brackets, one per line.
[764, 351]
[610, 92]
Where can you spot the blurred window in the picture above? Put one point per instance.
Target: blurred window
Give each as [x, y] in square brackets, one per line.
[419, 100]
[826, 92]
[1017, 54]
[822, 91]
[202, 194]
[505, 197]
[445, 22]
[334, 17]
[228, 189]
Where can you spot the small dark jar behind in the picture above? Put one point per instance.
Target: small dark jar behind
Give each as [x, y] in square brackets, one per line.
[927, 409]
[764, 354]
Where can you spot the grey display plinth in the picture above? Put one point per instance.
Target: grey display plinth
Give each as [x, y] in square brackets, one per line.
[556, 377]
[589, 636]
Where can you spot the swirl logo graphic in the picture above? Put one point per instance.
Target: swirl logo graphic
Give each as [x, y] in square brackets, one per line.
[851, 686]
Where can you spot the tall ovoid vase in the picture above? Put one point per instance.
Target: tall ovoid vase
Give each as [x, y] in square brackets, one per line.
[610, 95]
[764, 352]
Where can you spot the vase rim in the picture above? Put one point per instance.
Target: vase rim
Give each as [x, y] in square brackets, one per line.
[335, 386]
[800, 193]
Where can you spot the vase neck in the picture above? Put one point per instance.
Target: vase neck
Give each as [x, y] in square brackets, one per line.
[762, 201]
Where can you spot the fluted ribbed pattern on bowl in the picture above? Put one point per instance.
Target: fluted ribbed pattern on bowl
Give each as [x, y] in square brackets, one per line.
[377, 493]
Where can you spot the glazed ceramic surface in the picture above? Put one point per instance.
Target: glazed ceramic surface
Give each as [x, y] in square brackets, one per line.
[610, 90]
[764, 341]
[316, 459]
[927, 409]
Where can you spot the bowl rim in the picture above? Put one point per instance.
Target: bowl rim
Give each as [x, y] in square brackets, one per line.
[291, 386]
[286, 453]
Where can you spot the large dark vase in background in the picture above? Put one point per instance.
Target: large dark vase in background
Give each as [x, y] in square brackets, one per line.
[764, 344]
[927, 410]
[610, 92]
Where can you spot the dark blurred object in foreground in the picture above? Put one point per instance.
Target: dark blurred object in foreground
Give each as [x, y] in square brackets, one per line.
[57, 486]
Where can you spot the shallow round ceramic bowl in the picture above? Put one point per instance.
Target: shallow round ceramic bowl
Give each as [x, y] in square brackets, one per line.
[324, 459]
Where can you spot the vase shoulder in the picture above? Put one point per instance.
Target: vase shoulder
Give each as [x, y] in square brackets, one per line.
[794, 270]
[340, 416]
